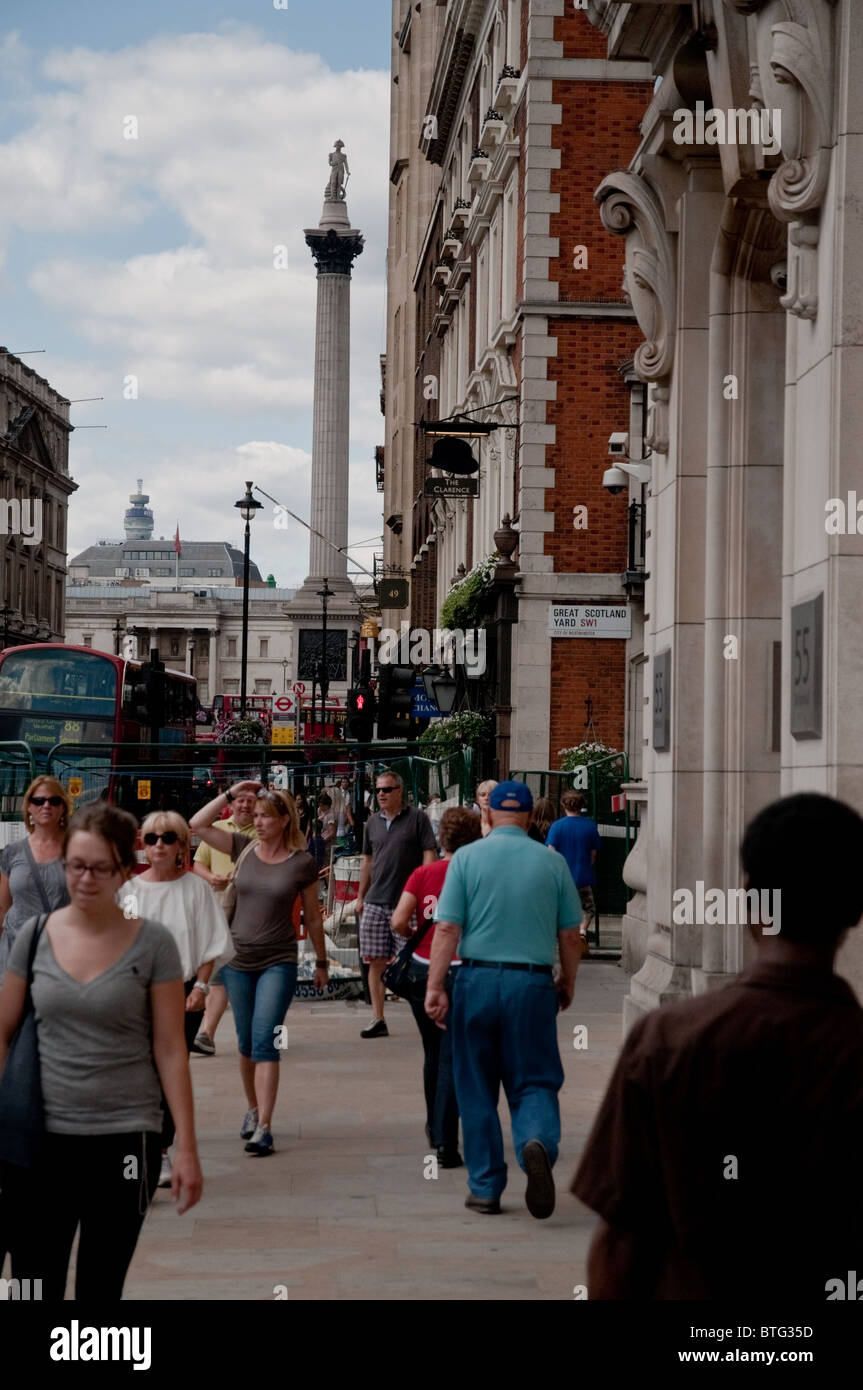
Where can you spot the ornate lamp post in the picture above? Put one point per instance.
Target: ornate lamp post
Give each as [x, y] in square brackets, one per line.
[248, 507]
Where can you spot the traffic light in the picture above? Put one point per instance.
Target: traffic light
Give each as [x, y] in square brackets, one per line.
[395, 699]
[360, 723]
[154, 681]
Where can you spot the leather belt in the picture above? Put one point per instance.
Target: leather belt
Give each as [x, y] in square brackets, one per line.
[510, 965]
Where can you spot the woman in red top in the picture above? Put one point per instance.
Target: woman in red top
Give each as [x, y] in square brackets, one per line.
[458, 826]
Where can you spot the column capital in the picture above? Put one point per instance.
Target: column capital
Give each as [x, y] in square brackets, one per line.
[334, 252]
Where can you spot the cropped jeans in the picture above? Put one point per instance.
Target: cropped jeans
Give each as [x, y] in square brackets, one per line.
[259, 1001]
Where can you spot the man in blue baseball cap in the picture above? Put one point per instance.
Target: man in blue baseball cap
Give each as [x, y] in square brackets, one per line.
[510, 903]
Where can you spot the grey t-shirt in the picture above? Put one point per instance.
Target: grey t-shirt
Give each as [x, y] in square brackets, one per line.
[396, 851]
[17, 865]
[96, 1040]
[262, 928]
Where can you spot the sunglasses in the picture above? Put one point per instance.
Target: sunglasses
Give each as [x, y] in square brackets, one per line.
[275, 798]
[168, 837]
[43, 800]
[385, 791]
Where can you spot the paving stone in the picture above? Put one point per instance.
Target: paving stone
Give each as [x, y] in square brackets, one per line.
[341, 1210]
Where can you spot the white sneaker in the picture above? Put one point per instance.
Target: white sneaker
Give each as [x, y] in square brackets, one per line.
[261, 1142]
[165, 1174]
[250, 1123]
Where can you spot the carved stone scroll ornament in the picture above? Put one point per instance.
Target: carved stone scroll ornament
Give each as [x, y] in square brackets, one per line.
[629, 207]
[794, 42]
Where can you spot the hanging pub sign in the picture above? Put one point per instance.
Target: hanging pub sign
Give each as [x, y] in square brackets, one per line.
[451, 487]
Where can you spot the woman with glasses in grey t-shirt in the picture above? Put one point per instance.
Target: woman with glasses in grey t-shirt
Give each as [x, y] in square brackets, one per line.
[108, 996]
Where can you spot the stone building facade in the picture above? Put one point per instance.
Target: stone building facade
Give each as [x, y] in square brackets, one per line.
[196, 631]
[34, 492]
[744, 262]
[505, 303]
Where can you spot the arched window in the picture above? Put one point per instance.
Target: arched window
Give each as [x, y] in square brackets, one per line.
[484, 89]
[498, 49]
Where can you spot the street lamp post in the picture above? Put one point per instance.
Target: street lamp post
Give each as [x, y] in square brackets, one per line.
[324, 594]
[248, 506]
[285, 664]
[118, 629]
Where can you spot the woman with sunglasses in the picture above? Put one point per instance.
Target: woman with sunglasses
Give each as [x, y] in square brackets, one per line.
[31, 870]
[168, 892]
[262, 975]
[108, 1000]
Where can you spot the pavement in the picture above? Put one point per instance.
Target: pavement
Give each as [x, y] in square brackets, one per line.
[342, 1209]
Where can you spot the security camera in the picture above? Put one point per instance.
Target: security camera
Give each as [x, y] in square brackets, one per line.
[614, 480]
[618, 445]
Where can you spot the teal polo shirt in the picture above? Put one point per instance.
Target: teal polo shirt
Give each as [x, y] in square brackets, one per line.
[510, 896]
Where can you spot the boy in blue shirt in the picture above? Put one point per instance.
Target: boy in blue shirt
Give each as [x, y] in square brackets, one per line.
[576, 837]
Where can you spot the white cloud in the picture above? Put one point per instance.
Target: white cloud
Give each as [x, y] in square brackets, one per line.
[197, 487]
[230, 161]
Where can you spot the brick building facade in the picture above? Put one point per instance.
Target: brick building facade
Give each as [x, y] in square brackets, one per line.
[513, 116]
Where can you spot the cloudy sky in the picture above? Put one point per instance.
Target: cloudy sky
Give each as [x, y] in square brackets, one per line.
[153, 257]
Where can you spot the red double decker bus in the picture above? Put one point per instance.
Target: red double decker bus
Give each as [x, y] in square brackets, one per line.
[227, 707]
[51, 694]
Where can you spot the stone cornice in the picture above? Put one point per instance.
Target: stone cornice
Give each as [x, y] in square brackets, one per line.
[587, 309]
[453, 60]
[588, 70]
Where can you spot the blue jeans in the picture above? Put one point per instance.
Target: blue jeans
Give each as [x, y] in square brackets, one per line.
[504, 1025]
[259, 1001]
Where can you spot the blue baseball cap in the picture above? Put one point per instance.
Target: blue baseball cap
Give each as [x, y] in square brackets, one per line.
[511, 796]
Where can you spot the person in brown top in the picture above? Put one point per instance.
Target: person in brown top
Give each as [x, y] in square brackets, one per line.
[261, 976]
[726, 1161]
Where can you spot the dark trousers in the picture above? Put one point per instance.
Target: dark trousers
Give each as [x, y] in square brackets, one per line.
[438, 1084]
[103, 1183]
[192, 1025]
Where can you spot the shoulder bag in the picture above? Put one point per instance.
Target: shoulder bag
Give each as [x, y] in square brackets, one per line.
[396, 975]
[37, 878]
[22, 1117]
[229, 897]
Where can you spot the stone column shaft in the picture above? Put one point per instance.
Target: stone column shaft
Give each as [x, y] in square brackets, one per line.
[331, 428]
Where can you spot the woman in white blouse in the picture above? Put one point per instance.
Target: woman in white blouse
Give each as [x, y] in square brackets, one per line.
[168, 892]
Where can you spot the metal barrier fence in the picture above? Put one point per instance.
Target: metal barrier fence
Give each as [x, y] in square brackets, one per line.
[17, 770]
[148, 777]
[598, 782]
[183, 777]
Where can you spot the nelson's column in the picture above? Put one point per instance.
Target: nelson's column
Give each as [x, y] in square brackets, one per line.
[334, 244]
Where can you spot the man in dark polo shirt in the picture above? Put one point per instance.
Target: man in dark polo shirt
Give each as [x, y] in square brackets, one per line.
[726, 1161]
[396, 840]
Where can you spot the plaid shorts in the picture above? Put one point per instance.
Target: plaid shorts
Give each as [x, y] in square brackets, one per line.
[377, 941]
